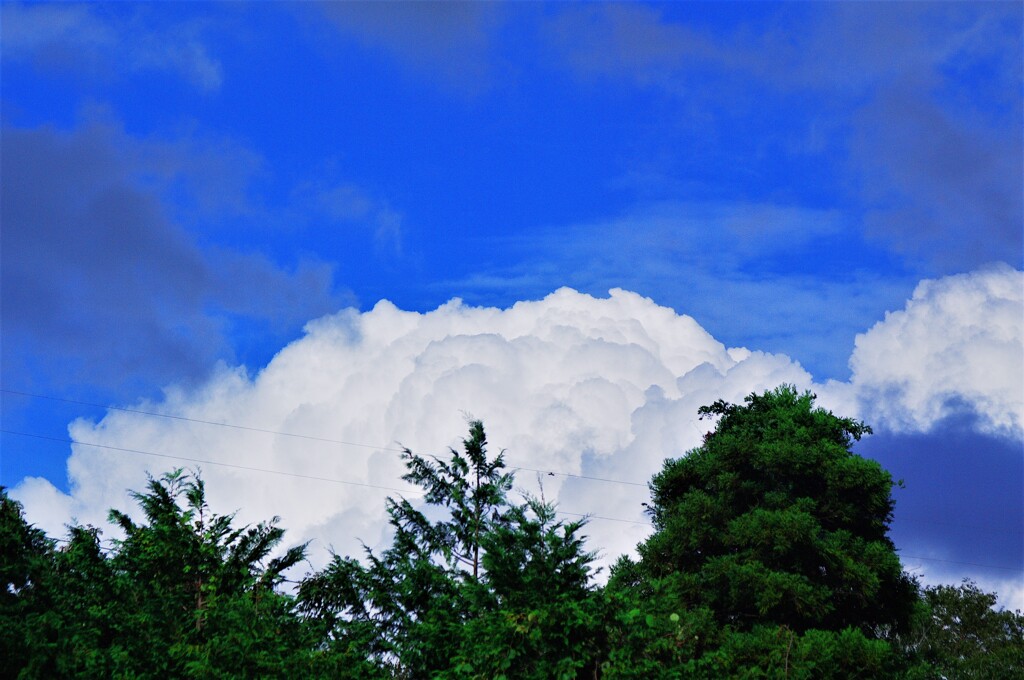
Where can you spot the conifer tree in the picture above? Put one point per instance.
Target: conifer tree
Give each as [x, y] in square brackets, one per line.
[490, 590]
[183, 594]
[771, 529]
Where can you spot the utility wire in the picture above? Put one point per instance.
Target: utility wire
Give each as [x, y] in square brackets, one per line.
[340, 481]
[409, 492]
[290, 434]
[197, 420]
[969, 564]
[358, 444]
[587, 477]
[608, 519]
[387, 488]
[212, 462]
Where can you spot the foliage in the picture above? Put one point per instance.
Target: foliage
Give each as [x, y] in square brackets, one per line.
[25, 571]
[403, 610]
[535, 614]
[960, 634]
[71, 627]
[184, 594]
[770, 559]
[691, 644]
[771, 524]
[189, 575]
[492, 590]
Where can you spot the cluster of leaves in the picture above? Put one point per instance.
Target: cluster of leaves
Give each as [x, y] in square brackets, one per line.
[770, 559]
[770, 551]
[491, 590]
[182, 595]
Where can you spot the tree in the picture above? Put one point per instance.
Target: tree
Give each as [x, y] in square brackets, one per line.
[403, 611]
[536, 613]
[184, 594]
[73, 628]
[490, 590]
[960, 634]
[201, 593]
[771, 526]
[54, 604]
[473, 490]
[26, 557]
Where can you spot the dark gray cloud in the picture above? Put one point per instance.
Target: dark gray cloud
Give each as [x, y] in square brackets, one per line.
[631, 41]
[937, 186]
[923, 99]
[843, 50]
[937, 148]
[963, 501]
[451, 41]
[100, 283]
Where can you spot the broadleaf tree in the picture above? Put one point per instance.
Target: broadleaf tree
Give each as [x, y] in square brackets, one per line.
[960, 633]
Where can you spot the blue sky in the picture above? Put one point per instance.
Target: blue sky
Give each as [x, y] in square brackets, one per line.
[186, 185]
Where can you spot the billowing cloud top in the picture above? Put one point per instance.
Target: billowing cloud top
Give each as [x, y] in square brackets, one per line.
[957, 343]
[571, 384]
[584, 387]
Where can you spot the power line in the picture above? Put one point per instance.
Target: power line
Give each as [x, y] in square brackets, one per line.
[387, 488]
[409, 492]
[586, 477]
[362, 445]
[212, 462]
[340, 481]
[330, 440]
[969, 564]
[99, 544]
[291, 434]
[609, 519]
[198, 420]
[347, 443]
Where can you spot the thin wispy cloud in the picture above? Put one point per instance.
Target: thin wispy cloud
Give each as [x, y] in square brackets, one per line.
[95, 42]
[450, 43]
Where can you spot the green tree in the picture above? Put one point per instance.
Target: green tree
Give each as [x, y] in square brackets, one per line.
[184, 594]
[200, 593]
[959, 633]
[26, 566]
[73, 628]
[489, 590]
[54, 602]
[772, 528]
[536, 613]
[403, 611]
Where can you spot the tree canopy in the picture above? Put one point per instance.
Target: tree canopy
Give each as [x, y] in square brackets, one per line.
[184, 594]
[770, 558]
[491, 590]
[772, 527]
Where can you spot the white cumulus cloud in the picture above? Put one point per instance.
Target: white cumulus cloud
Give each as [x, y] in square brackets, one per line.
[591, 388]
[958, 342]
[573, 384]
